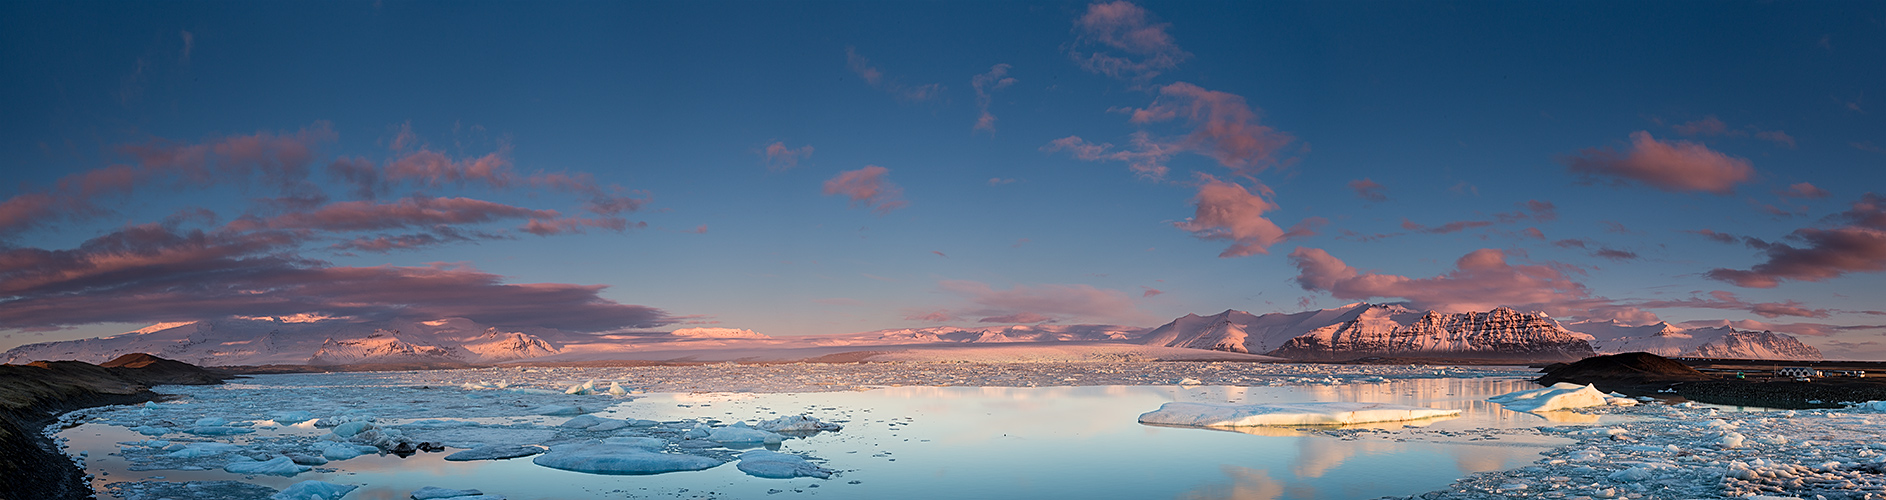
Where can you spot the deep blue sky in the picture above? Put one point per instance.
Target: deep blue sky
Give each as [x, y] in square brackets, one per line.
[1459, 112]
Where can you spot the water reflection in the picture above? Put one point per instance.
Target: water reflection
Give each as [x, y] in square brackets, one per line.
[997, 442]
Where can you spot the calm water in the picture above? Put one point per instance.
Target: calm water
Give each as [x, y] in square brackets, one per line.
[969, 442]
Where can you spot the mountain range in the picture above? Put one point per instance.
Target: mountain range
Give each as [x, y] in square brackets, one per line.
[1348, 332]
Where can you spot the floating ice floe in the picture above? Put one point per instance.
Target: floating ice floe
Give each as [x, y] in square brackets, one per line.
[797, 423]
[1560, 396]
[314, 490]
[562, 411]
[739, 432]
[278, 466]
[775, 465]
[437, 493]
[494, 453]
[1335, 413]
[596, 457]
[344, 451]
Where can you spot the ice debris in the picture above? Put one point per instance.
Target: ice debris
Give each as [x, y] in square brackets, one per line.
[775, 465]
[315, 490]
[639, 442]
[278, 466]
[1560, 396]
[200, 450]
[597, 457]
[797, 423]
[1334, 413]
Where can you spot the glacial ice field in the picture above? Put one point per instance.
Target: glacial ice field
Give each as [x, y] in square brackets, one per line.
[941, 430]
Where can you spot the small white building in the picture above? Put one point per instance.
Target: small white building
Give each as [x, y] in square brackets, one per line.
[1800, 372]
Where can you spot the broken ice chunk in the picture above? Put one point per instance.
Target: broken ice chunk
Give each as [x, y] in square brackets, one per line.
[278, 466]
[740, 433]
[1333, 413]
[596, 457]
[314, 490]
[1560, 396]
[775, 465]
[494, 453]
[797, 423]
[582, 422]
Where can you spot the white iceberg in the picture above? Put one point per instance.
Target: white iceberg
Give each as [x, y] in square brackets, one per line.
[314, 490]
[278, 466]
[1561, 396]
[596, 457]
[639, 442]
[1334, 413]
[775, 465]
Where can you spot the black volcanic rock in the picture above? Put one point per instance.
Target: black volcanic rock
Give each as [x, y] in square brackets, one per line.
[152, 370]
[1629, 372]
[34, 394]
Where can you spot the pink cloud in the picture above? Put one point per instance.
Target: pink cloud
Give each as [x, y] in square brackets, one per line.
[434, 169]
[1223, 126]
[1776, 136]
[407, 212]
[1481, 280]
[1717, 237]
[780, 158]
[867, 187]
[1669, 166]
[1533, 232]
[1049, 302]
[985, 84]
[1227, 211]
[1451, 227]
[1368, 190]
[153, 273]
[278, 161]
[1825, 254]
[1150, 291]
[1119, 40]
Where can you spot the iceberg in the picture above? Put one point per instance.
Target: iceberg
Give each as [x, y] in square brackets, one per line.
[1560, 396]
[435, 492]
[200, 450]
[776, 465]
[314, 490]
[1334, 413]
[740, 433]
[639, 442]
[596, 457]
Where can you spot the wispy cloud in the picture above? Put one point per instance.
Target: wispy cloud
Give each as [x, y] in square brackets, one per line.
[1119, 39]
[1480, 280]
[875, 78]
[986, 84]
[1228, 211]
[1368, 190]
[780, 158]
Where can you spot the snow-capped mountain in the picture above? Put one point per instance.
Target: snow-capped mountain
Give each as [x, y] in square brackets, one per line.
[1362, 329]
[1664, 339]
[984, 334]
[1500, 333]
[239, 341]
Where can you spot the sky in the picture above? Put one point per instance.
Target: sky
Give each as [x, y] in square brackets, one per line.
[803, 168]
